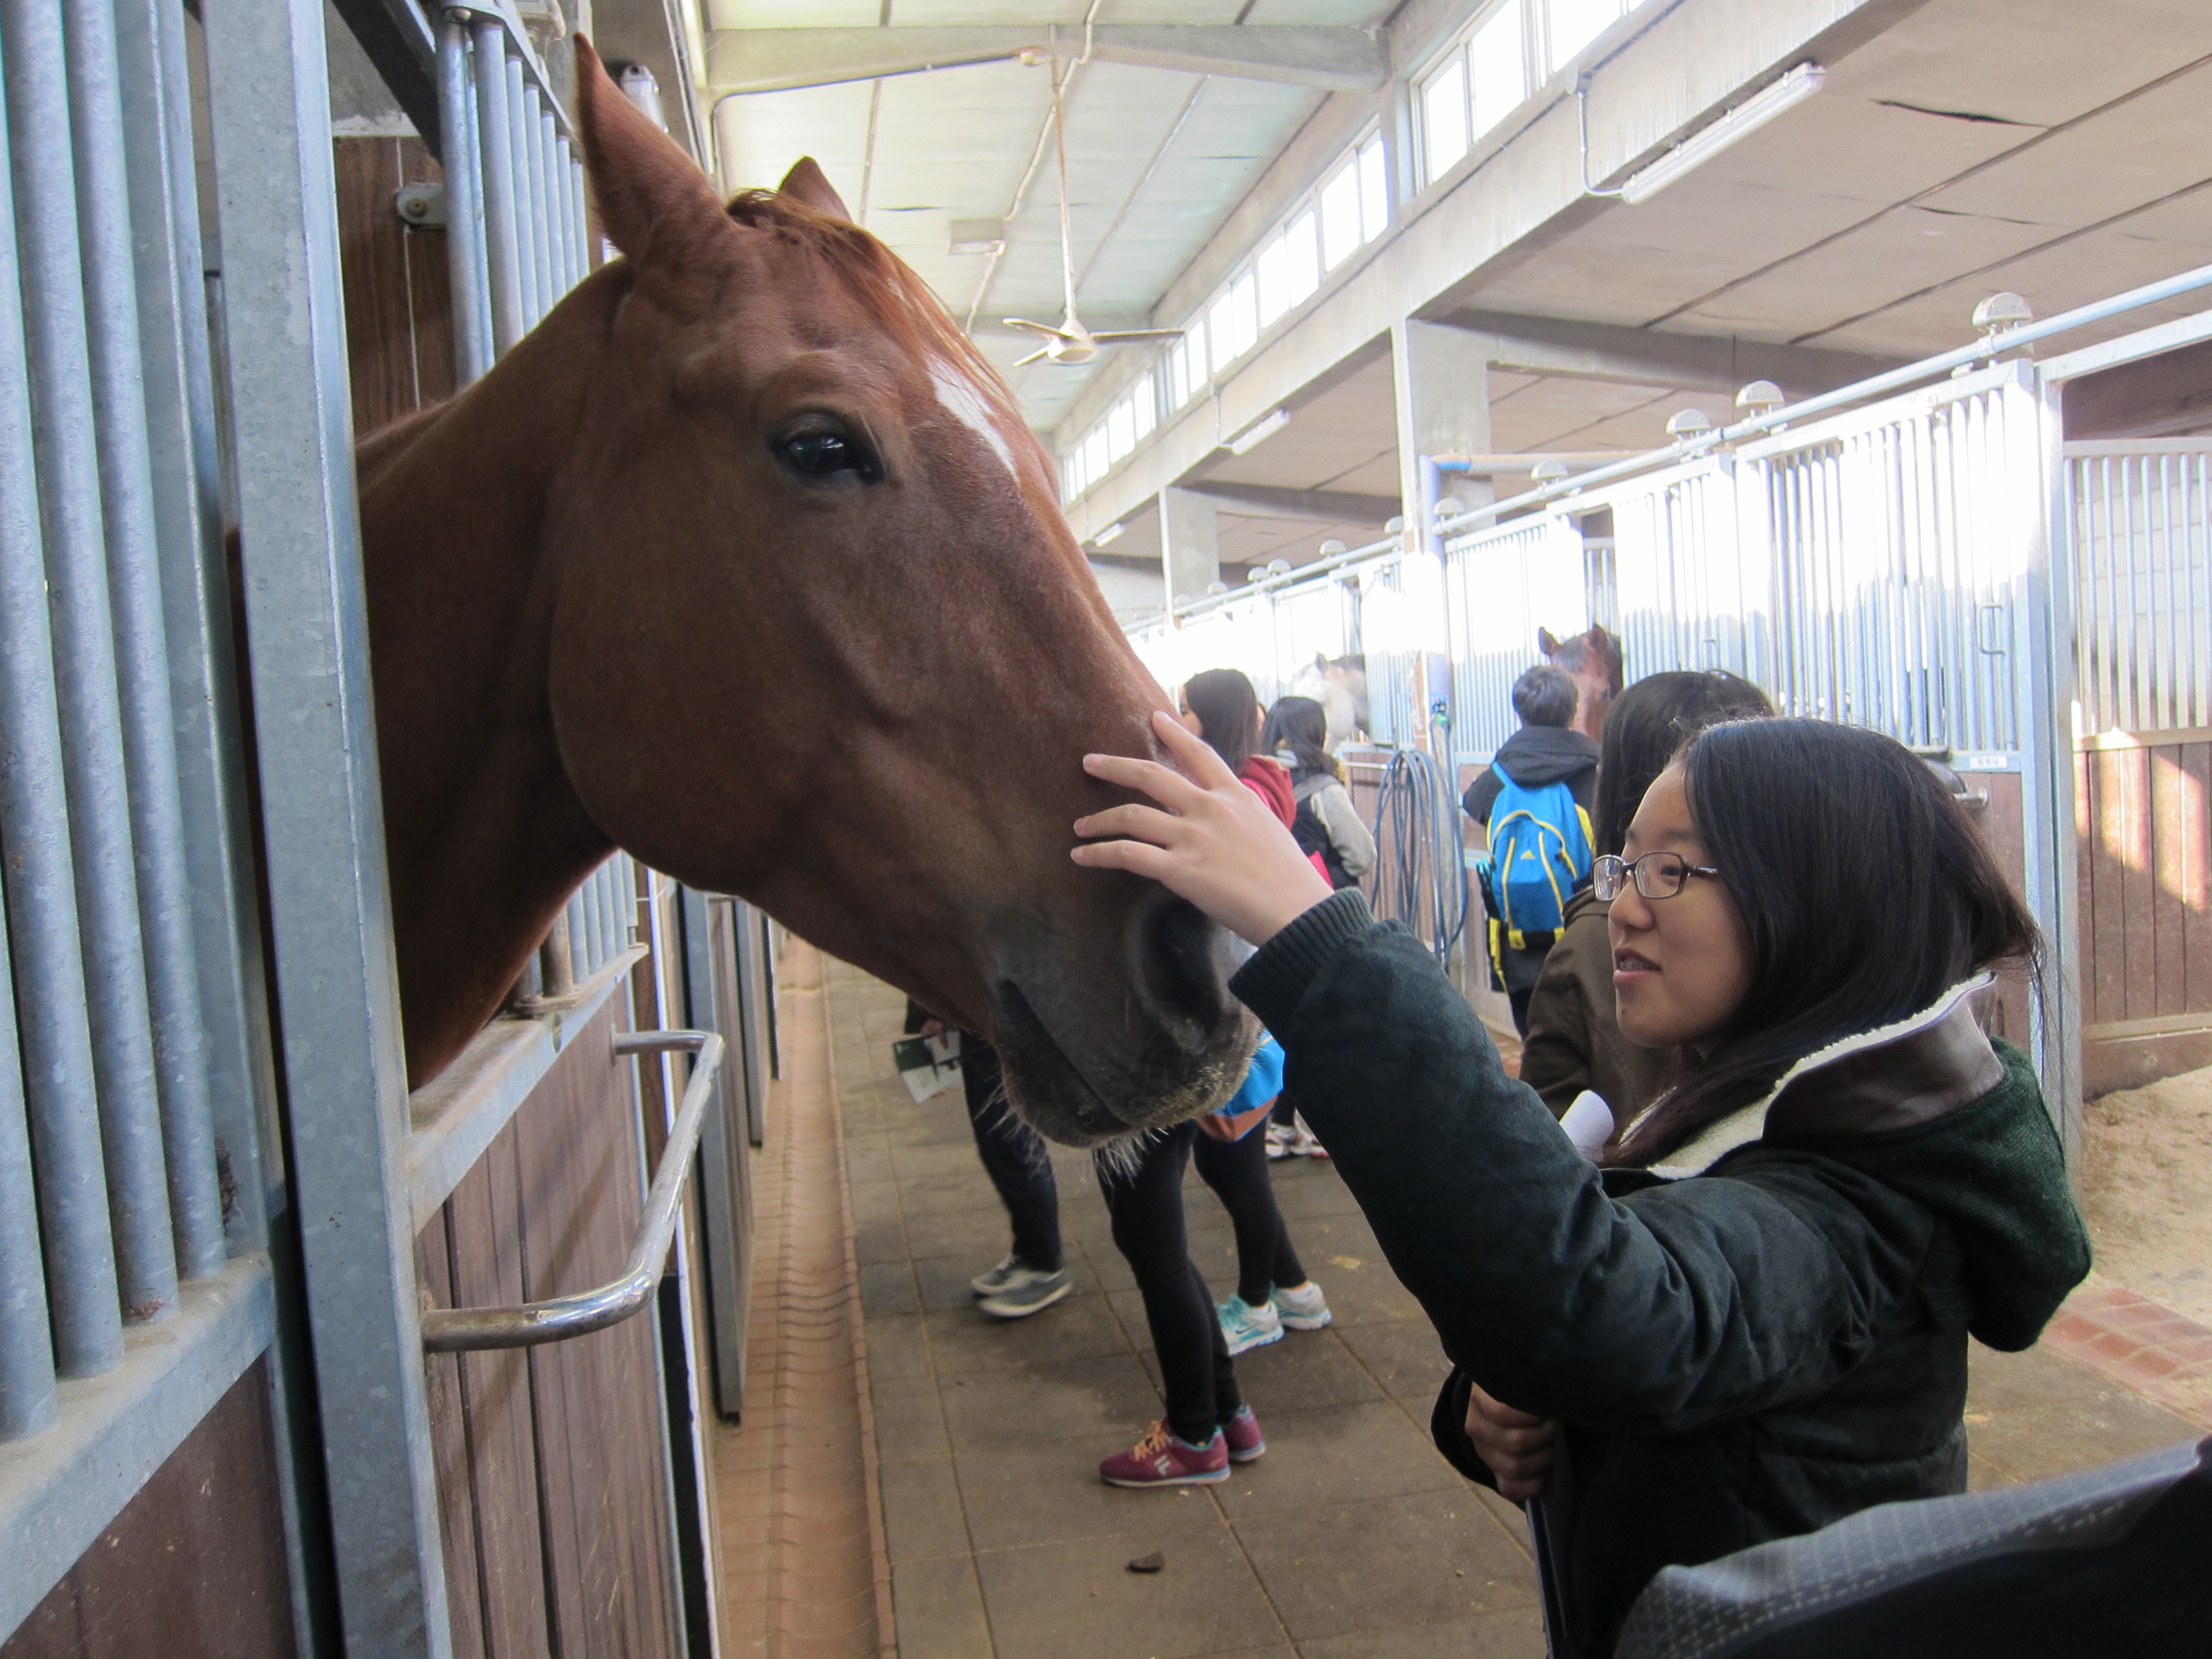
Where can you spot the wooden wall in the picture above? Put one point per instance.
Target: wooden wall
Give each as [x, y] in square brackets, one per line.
[2144, 824]
[398, 303]
[194, 1567]
[553, 1471]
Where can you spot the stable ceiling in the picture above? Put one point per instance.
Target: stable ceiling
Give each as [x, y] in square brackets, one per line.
[1156, 157]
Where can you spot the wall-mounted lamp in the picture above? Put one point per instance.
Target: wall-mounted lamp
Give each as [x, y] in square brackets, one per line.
[1216, 587]
[1331, 548]
[1548, 472]
[1685, 424]
[1449, 507]
[1278, 566]
[1760, 396]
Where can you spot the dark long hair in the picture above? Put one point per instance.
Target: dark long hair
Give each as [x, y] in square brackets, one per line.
[1301, 726]
[1866, 891]
[1649, 723]
[1228, 711]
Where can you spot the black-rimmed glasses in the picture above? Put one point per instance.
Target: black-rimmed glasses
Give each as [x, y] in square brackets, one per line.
[1657, 875]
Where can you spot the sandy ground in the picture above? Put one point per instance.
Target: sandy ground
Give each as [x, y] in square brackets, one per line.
[2146, 1185]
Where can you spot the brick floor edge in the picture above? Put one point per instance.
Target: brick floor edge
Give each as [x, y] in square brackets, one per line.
[2142, 1346]
[878, 1547]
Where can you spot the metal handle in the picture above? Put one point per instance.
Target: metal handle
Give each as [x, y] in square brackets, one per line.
[449, 1330]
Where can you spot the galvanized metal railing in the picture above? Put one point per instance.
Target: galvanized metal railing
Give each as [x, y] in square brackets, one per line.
[517, 234]
[128, 1156]
[2139, 520]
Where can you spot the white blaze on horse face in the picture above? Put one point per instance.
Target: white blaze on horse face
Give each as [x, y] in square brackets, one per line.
[967, 405]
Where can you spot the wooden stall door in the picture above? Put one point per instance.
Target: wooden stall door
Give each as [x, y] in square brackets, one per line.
[554, 1478]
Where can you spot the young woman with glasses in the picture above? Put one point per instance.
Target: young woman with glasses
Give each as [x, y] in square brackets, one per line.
[1751, 1319]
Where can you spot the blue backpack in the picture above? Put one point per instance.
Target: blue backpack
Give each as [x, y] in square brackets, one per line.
[1540, 854]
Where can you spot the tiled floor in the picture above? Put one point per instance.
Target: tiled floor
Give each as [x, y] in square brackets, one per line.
[1350, 1538]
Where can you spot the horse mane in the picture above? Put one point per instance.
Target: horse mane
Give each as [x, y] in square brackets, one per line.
[904, 304]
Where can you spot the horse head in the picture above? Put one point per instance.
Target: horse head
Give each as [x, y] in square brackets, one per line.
[1593, 661]
[820, 636]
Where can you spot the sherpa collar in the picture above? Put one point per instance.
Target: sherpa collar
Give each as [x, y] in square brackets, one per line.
[1931, 1063]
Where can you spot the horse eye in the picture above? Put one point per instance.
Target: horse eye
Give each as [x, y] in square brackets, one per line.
[826, 455]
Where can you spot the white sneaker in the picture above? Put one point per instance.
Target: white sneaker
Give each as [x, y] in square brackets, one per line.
[1303, 1308]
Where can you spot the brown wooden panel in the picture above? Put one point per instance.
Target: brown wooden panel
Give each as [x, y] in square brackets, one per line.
[194, 1567]
[601, 1452]
[2194, 865]
[2105, 975]
[2168, 812]
[398, 304]
[430, 286]
[2003, 830]
[449, 1451]
[2131, 851]
[485, 1216]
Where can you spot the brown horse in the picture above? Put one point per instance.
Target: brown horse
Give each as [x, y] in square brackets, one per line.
[1592, 660]
[743, 560]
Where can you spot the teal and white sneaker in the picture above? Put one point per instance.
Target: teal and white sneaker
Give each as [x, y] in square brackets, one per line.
[1301, 1307]
[1244, 1326]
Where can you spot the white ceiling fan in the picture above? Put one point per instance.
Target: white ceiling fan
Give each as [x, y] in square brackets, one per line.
[1071, 343]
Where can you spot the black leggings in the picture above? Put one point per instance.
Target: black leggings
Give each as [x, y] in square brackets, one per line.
[1147, 1205]
[1237, 1172]
[1014, 1157]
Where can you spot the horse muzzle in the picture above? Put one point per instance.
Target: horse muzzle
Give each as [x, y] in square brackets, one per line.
[1095, 1050]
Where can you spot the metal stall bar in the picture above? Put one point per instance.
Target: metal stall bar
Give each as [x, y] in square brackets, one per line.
[55, 1031]
[503, 200]
[537, 139]
[519, 148]
[26, 1352]
[452, 1330]
[156, 810]
[329, 906]
[179, 404]
[572, 229]
[93, 754]
[464, 210]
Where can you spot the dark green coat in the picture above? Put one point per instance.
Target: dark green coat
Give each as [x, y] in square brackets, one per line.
[1774, 1341]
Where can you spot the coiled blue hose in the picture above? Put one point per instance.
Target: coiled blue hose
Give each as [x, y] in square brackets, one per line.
[1420, 870]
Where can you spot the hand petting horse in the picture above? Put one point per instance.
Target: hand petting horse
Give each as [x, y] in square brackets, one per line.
[743, 560]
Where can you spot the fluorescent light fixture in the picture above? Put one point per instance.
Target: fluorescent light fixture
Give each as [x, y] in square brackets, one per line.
[1259, 432]
[1109, 535]
[1755, 112]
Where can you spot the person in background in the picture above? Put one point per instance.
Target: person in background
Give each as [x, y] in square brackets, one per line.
[1296, 734]
[1207, 1425]
[1032, 1277]
[1573, 1042]
[1273, 1294]
[1328, 826]
[1543, 751]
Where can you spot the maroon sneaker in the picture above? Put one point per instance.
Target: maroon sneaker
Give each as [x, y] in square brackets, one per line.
[1242, 1433]
[1161, 1460]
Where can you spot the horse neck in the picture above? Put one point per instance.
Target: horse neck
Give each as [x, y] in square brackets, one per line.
[485, 837]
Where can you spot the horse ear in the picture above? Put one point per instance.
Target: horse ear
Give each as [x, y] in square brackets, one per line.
[1546, 645]
[653, 203]
[807, 183]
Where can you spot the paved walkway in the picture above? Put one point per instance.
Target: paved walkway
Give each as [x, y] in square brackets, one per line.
[1352, 1537]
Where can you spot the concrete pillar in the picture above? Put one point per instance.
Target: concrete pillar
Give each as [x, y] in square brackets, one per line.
[1442, 376]
[1190, 543]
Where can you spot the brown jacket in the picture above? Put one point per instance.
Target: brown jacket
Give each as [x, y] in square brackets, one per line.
[1573, 1044]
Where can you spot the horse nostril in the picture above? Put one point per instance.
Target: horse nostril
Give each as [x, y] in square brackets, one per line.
[1177, 964]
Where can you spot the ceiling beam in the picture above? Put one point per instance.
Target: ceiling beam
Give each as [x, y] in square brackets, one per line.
[1643, 356]
[1254, 500]
[398, 44]
[779, 60]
